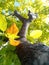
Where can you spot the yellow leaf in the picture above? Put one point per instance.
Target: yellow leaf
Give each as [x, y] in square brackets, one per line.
[14, 42]
[13, 29]
[35, 34]
[3, 22]
[11, 36]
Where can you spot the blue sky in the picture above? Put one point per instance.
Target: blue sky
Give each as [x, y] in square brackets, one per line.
[18, 4]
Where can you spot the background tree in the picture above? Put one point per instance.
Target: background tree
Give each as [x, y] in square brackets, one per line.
[7, 7]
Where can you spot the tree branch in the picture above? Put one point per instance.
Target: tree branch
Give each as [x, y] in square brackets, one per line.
[19, 16]
[31, 16]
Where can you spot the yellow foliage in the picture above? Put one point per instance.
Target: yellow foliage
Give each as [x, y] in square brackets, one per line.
[13, 29]
[0, 9]
[11, 36]
[14, 42]
[3, 23]
[20, 0]
[35, 34]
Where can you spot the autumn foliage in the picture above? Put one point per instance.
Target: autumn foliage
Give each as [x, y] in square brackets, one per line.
[10, 31]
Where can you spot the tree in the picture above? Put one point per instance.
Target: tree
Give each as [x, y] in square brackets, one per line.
[7, 7]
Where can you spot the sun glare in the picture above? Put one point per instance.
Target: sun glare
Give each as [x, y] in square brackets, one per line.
[45, 2]
[47, 20]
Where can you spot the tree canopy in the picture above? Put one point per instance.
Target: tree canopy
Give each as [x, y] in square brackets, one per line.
[8, 22]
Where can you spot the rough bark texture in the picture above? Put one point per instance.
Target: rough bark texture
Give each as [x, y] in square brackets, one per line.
[36, 54]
